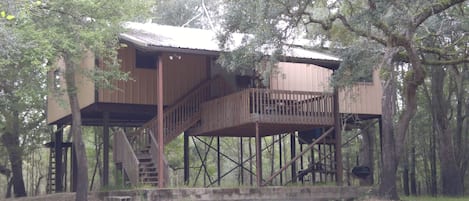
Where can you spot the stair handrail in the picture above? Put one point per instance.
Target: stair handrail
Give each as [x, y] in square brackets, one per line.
[188, 104]
[154, 157]
[126, 155]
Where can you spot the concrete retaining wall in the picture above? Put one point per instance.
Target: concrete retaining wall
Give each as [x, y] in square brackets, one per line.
[245, 194]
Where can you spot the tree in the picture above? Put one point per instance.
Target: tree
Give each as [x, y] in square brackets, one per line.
[447, 84]
[22, 90]
[74, 29]
[188, 13]
[391, 28]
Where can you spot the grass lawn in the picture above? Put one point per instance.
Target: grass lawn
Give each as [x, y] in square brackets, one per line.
[427, 198]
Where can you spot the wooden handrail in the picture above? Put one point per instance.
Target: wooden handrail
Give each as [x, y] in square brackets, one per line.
[185, 112]
[266, 106]
[271, 105]
[154, 156]
[126, 155]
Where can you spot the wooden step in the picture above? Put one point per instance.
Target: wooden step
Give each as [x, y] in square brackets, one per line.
[118, 198]
[151, 183]
[149, 174]
[147, 170]
[143, 158]
[146, 164]
[148, 179]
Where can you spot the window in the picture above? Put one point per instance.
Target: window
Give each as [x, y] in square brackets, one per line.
[56, 79]
[147, 60]
[366, 76]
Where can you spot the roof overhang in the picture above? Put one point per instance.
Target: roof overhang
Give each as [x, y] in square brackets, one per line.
[162, 38]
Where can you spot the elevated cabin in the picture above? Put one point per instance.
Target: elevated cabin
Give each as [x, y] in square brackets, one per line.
[199, 97]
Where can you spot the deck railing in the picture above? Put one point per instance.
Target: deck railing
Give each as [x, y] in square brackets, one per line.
[124, 153]
[268, 106]
[186, 111]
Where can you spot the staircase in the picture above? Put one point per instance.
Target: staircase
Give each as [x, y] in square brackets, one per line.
[137, 151]
[50, 186]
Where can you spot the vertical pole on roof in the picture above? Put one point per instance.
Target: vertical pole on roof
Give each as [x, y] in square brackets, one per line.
[161, 173]
[58, 159]
[218, 162]
[293, 155]
[338, 138]
[105, 149]
[258, 157]
[186, 158]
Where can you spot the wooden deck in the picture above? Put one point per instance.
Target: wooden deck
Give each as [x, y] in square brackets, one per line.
[276, 111]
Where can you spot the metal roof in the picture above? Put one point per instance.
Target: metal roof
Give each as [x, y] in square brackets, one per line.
[155, 37]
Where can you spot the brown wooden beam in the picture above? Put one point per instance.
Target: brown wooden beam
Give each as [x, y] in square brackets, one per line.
[161, 177]
[58, 159]
[258, 157]
[338, 139]
[186, 158]
[105, 149]
[218, 162]
[293, 154]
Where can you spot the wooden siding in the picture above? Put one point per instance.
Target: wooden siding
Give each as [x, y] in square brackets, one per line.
[301, 77]
[267, 106]
[181, 73]
[57, 100]
[141, 89]
[362, 98]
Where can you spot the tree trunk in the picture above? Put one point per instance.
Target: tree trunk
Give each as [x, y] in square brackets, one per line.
[387, 187]
[394, 143]
[413, 179]
[10, 140]
[9, 188]
[433, 167]
[451, 175]
[80, 151]
[405, 178]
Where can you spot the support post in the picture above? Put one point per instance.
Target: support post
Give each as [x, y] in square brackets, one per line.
[241, 171]
[161, 173]
[186, 158]
[250, 161]
[218, 162]
[58, 159]
[74, 167]
[338, 138]
[280, 153]
[293, 155]
[258, 157]
[105, 149]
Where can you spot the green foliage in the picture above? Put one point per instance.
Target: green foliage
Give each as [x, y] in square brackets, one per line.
[354, 70]
[74, 27]
[188, 13]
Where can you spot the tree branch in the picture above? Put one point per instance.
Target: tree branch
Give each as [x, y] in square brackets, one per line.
[5, 171]
[456, 61]
[432, 10]
[360, 32]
